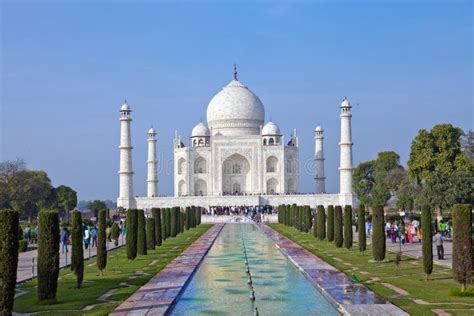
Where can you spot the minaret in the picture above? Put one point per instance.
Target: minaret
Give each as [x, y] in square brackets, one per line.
[319, 160]
[126, 198]
[345, 167]
[152, 179]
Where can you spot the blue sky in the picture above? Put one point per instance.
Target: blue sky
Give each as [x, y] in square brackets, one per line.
[66, 67]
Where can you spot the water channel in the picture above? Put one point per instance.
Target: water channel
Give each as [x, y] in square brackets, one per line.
[222, 285]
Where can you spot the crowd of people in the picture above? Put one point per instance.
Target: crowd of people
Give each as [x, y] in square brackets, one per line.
[238, 210]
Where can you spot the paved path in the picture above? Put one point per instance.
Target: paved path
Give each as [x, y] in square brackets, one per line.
[26, 270]
[160, 293]
[352, 299]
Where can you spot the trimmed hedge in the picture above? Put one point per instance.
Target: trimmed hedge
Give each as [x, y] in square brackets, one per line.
[338, 232]
[330, 226]
[156, 213]
[361, 223]
[321, 222]
[9, 223]
[77, 257]
[427, 243]
[463, 255]
[48, 255]
[102, 241]
[378, 236]
[348, 226]
[131, 236]
[141, 234]
[150, 233]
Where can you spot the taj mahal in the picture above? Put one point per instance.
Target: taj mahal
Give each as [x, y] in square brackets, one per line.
[235, 159]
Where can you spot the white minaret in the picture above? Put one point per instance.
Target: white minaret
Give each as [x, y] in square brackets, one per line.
[152, 180]
[345, 167]
[126, 198]
[319, 160]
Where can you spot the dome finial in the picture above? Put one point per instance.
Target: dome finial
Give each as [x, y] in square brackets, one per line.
[235, 71]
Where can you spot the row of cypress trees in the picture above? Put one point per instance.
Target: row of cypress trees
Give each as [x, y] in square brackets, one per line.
[299, 217]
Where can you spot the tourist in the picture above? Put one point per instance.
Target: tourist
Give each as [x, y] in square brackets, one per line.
[87, 237]
[28, 234]
[415, 223]
[410, 232]
[94, 237]
[64, 239]
[419, 234]
[108, 233]
[368, 228]
[438, 240]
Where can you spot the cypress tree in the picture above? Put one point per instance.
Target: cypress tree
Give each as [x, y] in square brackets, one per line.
[48, 255]
[188, 217]
[168, 222]
[173, 222]
[315, 222]
[101, 241]
[178, 221]
[361, 223]
[378, 236]
[288, 215]
[163, 224]
[330, 228]
[9, 223]
[309, 218]
[294, 210]
[427, 243]
[141, 234]
[193, 216]
[150, 234]
[132, 231]
[197, 217]
[348, 226]
[321, 222]
[338, 237]
[115, 233]
[77, 257]
[463, 255]
[156, 213]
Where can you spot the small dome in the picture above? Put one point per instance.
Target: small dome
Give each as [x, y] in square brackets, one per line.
[271, 129]
[345, 103]
[125, 107]
[151, 131]
[318, 128]
[200, 130]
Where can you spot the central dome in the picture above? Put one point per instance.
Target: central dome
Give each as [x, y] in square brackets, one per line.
[235, 110]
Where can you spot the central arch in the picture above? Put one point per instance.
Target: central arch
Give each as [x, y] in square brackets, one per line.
[235, 175]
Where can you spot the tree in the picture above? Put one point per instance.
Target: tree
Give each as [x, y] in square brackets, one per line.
[348, 226]
[364, 181]
[141, 233]
[66, 198]
[150, 234]
[168, 222]
[338, 237]
[96, 206]
[115, 233]
[163, 224]
[77, 257]
[156, 213]
[101, 242]
[462, 244]
[188, 217]
[131, 236]
[361, 223]
[330, 230]
[378, 236]
[9, 223]
[48, 255]
[427, 247]
[173, 222]
[321, 222]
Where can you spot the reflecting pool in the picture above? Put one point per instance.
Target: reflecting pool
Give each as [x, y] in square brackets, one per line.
[221, 283]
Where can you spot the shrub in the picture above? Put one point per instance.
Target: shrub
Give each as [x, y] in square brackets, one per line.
[9, 222]
[462, 244]
[156, 213]
[150, 234]
[461, 293]
[321, 222]
[378, 236]
[131, 236]
[48, 255]
[348, 226]
[115, 233]
[22, 245]
[361, 223]
[330, 228]
[338, 238]
[102, 241]
[141, 234]
[427, 247]
[77, 257]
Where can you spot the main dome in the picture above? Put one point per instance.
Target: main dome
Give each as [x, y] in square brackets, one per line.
[235, 110]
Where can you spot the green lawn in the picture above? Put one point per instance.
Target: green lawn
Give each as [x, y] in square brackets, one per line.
[122, 274]
[408, 275]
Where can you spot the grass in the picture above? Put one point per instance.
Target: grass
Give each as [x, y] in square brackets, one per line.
[72, 301]
[408, 275]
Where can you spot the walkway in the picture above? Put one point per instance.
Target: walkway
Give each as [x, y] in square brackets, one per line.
[160, 293]
[352, 299]
[28, 261]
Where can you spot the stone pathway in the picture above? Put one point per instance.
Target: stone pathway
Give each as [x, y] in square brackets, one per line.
[28, 261]
[160, 293]
[352, 299]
